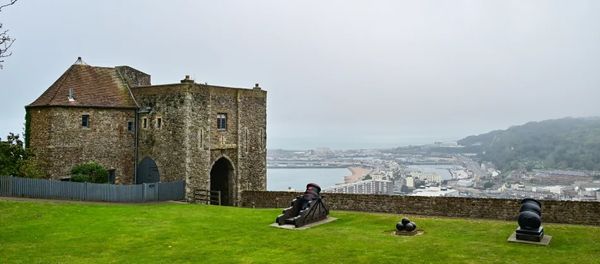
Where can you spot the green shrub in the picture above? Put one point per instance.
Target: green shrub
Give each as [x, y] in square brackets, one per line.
[30, 168]
[488, 185]
[89, 172]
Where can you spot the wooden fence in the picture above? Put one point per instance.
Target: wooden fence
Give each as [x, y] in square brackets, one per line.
[82, 191]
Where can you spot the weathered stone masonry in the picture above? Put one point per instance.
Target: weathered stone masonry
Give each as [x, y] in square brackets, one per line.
[174, 135]
[189, 143]
[569, 212]
[59, 141]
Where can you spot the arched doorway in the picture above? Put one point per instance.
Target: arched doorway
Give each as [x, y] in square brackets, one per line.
[147, 171]
[221, 179]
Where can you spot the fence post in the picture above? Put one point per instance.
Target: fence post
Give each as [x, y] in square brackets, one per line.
[219, 192]
[11, 182]
[157, 191]
[85, 191]
[143, 192]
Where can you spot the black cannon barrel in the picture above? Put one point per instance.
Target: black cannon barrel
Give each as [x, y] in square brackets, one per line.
[315, 186]
[530, 214]
[530, 221]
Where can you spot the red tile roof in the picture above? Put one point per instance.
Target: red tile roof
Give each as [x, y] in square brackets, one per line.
[92, 86]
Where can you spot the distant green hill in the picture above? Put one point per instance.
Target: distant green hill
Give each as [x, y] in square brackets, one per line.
[568, 143]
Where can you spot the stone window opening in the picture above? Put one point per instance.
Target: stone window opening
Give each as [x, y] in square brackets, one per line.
[85, 121]
[222, 121]
[130, 126]
[262, 139]
[159, 122]
[246, 140]
[201, 138]
[144, 122]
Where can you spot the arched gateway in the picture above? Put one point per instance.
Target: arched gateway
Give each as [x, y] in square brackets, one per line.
[147, 171]
[221, 179]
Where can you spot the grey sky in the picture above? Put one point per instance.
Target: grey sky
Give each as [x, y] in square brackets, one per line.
[343, 74]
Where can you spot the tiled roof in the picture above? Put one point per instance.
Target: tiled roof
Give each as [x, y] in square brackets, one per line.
[92, 86]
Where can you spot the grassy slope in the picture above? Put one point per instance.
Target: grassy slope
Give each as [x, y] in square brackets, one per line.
[32, 232]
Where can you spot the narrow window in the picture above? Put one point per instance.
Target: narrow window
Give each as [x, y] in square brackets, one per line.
[222, 121]
[130, 126]
[158, 122]
[201, 138]
[85, 120]
[263, 139]
[145, 122]
[246, 140]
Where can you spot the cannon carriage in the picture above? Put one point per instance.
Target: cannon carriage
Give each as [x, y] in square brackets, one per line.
[305, 209]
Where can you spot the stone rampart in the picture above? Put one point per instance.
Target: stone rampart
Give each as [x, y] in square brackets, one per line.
[570, 212]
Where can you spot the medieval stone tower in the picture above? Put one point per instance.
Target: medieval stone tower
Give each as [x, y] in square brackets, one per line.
[212, 137]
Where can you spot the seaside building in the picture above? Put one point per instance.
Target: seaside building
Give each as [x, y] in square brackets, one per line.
[410, 182]
[434, 191]
[364, 187]
[428, 177]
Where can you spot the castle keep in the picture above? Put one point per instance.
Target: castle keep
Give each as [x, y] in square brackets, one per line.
[212, 137]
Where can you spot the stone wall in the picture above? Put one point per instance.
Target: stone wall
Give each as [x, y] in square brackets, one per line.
[59, 141]
[189, 143]
[252, 138]
[571, 212]
[133, 77]
[167, 145]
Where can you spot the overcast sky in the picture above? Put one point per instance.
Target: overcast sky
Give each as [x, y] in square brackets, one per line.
[340, 74]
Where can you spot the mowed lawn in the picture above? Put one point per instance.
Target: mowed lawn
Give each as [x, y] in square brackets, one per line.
[61, 232]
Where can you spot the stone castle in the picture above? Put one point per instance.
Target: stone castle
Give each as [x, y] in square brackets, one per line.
[212, 137]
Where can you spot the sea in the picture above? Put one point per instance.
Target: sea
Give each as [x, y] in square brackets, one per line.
[280, 179]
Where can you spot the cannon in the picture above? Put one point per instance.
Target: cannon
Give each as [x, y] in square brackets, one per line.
[530, 221]
[305, 209]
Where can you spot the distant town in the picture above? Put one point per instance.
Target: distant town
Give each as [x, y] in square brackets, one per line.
[437, 170]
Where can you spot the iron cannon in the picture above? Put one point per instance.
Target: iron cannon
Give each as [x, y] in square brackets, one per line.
[530, 221]
[306, 208]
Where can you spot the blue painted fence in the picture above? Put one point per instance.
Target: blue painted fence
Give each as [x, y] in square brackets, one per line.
[50, 189]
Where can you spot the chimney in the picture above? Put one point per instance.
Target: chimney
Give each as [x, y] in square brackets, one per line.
[71, 95]
[187, 79]
[79, 61]
[256, 86]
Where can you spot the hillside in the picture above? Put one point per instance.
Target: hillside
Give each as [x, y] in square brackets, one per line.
[568, 143]
[67, 232]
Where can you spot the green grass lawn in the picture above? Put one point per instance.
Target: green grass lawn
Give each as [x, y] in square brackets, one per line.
[48, 232]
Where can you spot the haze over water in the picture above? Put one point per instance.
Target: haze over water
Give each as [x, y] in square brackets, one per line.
[280, 179]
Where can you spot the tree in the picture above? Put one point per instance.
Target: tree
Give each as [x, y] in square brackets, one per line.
[15, 160]
[568, 143]
[6, 40]
[12, 154]
[89, 172]
[488, 185]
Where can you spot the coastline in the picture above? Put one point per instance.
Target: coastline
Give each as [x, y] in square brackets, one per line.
[357, 174]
